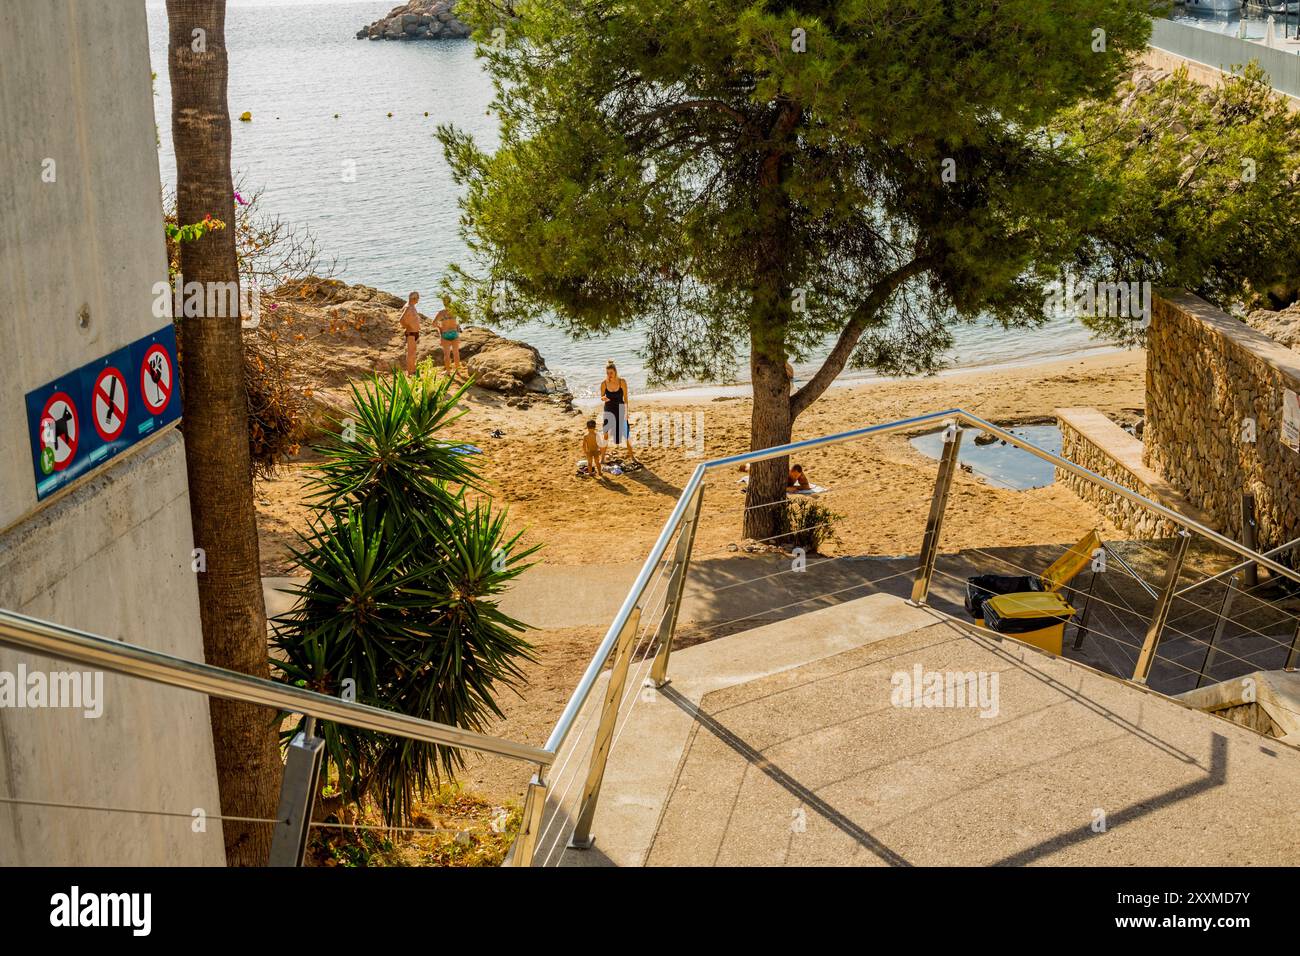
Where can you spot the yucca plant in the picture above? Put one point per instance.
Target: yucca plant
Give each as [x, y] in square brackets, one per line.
[399, 610]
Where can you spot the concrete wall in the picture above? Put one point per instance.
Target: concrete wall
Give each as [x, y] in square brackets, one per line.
[1206, 374]
[111, 554]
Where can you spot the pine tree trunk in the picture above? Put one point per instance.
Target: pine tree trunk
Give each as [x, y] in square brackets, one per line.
[771, 418]
[769, 426]
[216, 430]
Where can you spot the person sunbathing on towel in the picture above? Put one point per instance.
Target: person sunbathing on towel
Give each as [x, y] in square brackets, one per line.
[797, 480]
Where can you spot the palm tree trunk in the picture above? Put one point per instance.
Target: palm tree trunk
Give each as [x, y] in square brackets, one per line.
[216, 429]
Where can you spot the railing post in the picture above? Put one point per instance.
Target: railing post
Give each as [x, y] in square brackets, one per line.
[530, 826]
[938, 504]
[676, 586]
[1081, 628]
[582, 838]
[1229, 594]
[1147, 656]
[1291, 657]
[297, 794]
[1250, 575]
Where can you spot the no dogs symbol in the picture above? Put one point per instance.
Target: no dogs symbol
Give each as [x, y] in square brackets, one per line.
[156, 379]
[108, 404]
[59, 431]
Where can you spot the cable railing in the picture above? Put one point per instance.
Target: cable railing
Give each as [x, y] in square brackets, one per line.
[616, 648]
[561, 799]
[303, 758]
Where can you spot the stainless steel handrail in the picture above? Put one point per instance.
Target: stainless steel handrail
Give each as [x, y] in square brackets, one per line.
[1294, 542]
[54, 640]
[579, 698]
[592, 673]
[589, 677]
[65, 643]
[1162, 510]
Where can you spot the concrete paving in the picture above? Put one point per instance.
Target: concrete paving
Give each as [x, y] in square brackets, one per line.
[785, 745]
[655, 732]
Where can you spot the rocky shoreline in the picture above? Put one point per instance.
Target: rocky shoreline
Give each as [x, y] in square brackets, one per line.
[418, 20]
[342, 333]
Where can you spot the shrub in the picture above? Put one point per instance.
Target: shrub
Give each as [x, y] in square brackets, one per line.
[400, 602]
[804, 523]
[270, 253]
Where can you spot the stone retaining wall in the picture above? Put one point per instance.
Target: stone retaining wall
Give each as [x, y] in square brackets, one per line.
[1207, 374]
[1090, 439]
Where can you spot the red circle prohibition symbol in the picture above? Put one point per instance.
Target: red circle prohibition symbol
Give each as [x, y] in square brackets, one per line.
[67, 429]
[160, 377]
[110, 390]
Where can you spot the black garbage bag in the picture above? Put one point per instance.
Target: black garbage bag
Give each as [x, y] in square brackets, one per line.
[984, 586]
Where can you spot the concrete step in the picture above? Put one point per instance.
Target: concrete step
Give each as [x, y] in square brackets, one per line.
[789, 745]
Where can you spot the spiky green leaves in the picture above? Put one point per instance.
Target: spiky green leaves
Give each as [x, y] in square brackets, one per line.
[398, 610]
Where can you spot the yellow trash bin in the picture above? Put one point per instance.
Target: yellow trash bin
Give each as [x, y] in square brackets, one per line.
[1035, 617]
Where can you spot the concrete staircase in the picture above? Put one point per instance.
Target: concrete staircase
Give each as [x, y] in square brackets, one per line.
[796, 743]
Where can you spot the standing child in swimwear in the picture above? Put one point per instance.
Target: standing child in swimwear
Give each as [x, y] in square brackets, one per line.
[450, 330]
[410, 320]
[592, 448]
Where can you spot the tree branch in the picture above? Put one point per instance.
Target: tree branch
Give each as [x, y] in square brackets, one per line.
[716, 105]
[848, 340]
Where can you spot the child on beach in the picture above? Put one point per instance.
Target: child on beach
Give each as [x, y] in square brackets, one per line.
[449, 329]
[592, 448]
[410, 320]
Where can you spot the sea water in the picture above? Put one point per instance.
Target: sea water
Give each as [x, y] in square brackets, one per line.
[376, 192]
[1001, 463]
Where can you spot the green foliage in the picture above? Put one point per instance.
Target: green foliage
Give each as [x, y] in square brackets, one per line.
[682, 165]
[1201, 187]
[390, 452]
[191, 232]
[804, 523]
[400, 606]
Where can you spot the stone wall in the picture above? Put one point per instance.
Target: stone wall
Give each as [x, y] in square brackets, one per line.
[1093, 441]
[1207, 373]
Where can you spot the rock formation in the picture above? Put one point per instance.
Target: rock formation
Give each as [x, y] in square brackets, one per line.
[418, 20]
[342, 333]
[1283, 327]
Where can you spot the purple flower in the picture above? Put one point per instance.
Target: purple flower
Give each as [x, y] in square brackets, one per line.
[240, 199]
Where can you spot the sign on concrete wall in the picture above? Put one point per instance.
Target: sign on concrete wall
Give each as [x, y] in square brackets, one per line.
[83, 419]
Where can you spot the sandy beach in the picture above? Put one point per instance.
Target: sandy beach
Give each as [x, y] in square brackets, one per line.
[881, 487]
[582, 522]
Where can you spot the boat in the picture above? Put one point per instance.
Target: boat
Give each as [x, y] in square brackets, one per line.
[1262, 7]
[1213, 6]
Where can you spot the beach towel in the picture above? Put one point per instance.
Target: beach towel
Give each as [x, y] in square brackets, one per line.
[814, 490]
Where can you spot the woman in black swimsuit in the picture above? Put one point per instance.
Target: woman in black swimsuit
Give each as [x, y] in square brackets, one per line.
[614, 391]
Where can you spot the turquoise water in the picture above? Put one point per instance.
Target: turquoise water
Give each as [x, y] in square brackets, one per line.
[295, 64]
